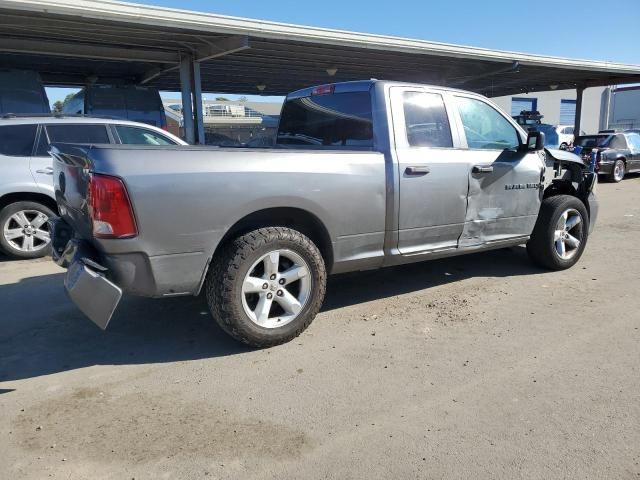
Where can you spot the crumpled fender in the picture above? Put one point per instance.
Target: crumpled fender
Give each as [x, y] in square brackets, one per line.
[564, 156]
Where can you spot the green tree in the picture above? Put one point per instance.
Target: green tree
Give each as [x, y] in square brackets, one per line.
[222, 99]
[57, 106]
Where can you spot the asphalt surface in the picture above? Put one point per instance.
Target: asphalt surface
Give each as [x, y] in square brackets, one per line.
[481, 366]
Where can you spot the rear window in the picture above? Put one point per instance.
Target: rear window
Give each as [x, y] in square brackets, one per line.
[78, 133]
[333, 121]
[590, 141]
[17, 140]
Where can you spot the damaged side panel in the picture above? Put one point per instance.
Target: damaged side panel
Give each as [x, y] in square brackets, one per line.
[503, 202]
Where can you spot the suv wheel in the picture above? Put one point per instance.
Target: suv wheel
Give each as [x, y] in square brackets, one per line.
[266, 287]
[24, 231]
[560, 234]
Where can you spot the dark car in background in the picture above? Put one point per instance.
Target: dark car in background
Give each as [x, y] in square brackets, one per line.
[618, 153]
[138, 104]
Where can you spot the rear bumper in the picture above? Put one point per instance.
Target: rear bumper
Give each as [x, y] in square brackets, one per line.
[96, 280]
[605, 167]
[86, 281]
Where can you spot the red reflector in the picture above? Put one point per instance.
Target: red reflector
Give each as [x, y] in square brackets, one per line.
[110, 208]
[323, 90]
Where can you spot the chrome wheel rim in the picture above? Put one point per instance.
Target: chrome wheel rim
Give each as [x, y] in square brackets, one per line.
[27, 231]
[618, 171]
[276, 288]
[568, 234]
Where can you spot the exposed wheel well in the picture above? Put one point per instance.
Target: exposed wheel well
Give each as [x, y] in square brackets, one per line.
[298, 219]
[28, 197]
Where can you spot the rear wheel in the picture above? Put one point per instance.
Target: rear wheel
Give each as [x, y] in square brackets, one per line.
[266, 287]
[560, 234]
[24, 231]
[618, 171]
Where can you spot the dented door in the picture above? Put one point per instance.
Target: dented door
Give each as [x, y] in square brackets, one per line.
[505, 190]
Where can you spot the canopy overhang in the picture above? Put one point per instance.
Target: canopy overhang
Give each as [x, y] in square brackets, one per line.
[100, 41]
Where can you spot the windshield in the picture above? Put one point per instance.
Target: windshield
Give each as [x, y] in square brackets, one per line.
[592, 141]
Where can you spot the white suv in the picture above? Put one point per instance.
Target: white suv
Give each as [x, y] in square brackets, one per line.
[26, 187]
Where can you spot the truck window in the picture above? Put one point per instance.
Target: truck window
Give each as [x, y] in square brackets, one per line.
[484, 127]
[17, 140]
[141, 136]
[332, 120]
[426, 120]
[69, 133]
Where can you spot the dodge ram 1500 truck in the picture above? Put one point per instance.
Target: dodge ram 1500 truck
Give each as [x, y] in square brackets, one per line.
[363, 175]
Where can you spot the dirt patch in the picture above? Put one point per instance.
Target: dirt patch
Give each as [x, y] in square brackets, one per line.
[101, 426]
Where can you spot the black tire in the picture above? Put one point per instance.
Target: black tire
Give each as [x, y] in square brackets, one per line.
[614, 177]
[8, 246]
[542, 245]
[227, 272]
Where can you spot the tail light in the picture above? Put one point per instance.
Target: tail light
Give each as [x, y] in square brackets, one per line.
[110, 208]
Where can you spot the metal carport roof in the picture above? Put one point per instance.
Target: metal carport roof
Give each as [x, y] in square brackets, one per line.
[81, 41]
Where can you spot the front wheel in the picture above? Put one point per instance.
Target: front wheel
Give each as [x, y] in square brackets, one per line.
[24, 231]
[265, 287]
[560, 234]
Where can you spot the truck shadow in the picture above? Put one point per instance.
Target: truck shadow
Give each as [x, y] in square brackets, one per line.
[41, 331]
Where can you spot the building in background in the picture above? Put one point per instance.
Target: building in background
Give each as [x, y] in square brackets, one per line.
[229, 123]
[620, 108]
[558, 106]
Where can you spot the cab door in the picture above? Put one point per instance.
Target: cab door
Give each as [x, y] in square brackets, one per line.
[505, 182]
[433, 177]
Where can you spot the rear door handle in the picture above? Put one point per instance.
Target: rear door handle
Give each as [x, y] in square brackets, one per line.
[417, 170]
[482, 169]
[46, 171]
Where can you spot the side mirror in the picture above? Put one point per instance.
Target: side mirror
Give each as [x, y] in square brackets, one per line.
[535, 141]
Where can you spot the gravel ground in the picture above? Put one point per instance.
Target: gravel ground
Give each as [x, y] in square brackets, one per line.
[474, 367]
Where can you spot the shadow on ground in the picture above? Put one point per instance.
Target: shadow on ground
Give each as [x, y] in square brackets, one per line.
[41, 331]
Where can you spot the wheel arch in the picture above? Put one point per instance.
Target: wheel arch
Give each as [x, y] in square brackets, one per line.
[42, 198]
[291, 217]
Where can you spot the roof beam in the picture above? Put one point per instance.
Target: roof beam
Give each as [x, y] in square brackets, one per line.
[94, 52]
[221, 47]
[213, 49]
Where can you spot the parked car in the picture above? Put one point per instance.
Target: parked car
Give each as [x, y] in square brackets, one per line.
[138, 104]
[566, 135]
[430, 172]
[618, 153]
[26, 188]
[22, 92]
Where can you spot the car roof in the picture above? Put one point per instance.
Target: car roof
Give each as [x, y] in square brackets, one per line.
[21, 119]
[10, 119]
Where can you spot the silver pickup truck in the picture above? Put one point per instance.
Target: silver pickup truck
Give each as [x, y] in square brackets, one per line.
[363, 175]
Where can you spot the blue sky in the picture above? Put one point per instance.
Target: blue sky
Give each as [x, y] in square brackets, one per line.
[570, 28]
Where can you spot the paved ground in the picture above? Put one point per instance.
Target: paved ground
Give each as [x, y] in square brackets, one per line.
[475, 367]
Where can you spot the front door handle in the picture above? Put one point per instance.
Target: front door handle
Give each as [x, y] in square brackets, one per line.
[46, 171]
[417, 170]
[482, 169]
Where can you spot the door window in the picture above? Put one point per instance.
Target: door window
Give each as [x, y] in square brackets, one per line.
[484, 127]
[426, 120]
[68, 133]
[141, 136]
[17, 140]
